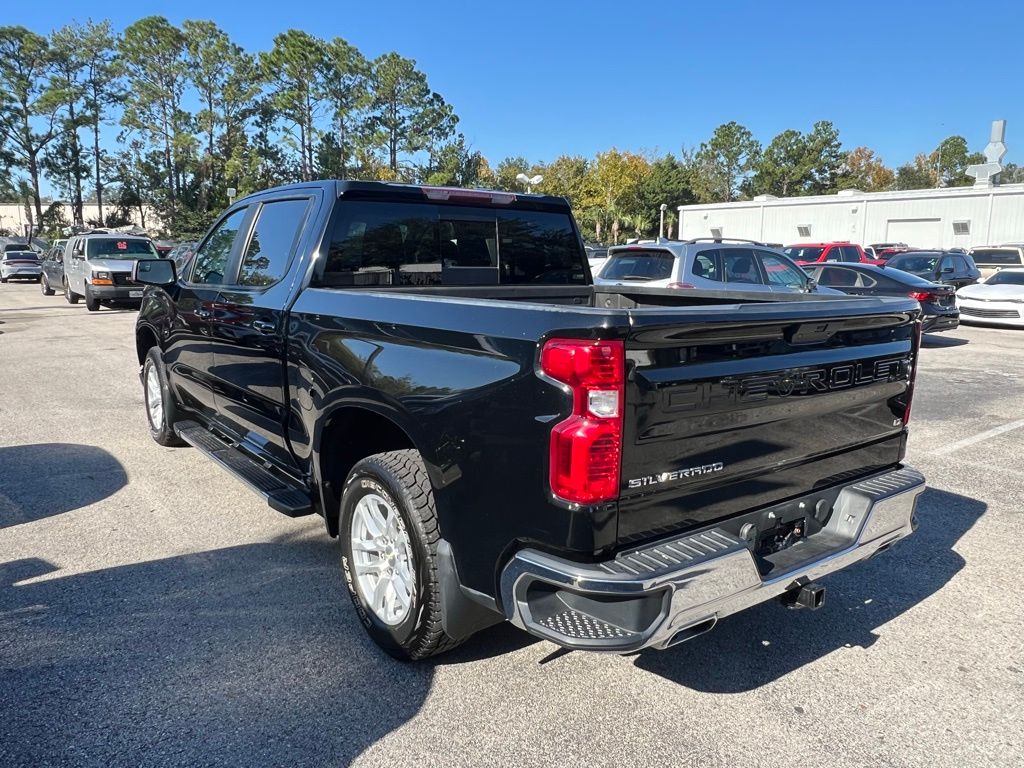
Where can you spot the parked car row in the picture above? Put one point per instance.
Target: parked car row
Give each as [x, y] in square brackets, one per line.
[932, 277]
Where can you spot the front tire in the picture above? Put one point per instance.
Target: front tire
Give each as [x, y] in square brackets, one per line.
[388, 536]
[91, 302]
[161, 410]
[71, 296]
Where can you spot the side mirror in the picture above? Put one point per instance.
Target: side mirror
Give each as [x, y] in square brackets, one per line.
[154, 272]
[812, 284]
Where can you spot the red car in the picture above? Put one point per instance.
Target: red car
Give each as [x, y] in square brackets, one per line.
[841, 250]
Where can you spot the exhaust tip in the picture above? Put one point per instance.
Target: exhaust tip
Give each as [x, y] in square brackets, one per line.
[692, 631]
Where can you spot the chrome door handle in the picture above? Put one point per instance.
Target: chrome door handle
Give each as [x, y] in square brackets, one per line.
[204, 313]
[264, 326]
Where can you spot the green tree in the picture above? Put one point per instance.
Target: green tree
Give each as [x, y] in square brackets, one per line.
[66, 162]
[345, 87]
[950, 160]
[669, 183]
[919, 174]
[824, 158]
[864, 170]
[102, 88]
[455, 164]
[724, 162]
[405, 116]
[506, 172]
[784, 167]
[570, 176]
[27, 100]
[152, 56]
[618, 177]
[295, 68]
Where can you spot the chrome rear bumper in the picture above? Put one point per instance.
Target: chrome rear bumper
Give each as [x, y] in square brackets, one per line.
[677, 588]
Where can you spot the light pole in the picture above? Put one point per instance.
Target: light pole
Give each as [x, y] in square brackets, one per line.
[529, 182]
[661, 228]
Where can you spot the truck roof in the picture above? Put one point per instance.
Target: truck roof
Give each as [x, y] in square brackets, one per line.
[424, 192]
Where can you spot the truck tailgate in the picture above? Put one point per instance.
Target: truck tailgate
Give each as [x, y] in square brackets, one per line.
[733, 408]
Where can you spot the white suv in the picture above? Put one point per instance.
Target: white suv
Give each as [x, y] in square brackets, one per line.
[708, 264]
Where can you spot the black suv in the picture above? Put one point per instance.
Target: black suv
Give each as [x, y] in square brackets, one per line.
[949, 267]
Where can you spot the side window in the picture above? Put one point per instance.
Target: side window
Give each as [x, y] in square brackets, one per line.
[272, 242]
[947, 263]
[834, 254]
[781, 272]
[960, 263]
[740, 266]
[851, 254]
[212, 257]
[708, 264]
[79, 249]
[837, 277]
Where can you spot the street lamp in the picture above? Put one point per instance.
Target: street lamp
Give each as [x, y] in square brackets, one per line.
[529, 182]
[661, 228]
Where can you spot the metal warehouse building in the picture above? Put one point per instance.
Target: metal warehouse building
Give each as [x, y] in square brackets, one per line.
[924, 218]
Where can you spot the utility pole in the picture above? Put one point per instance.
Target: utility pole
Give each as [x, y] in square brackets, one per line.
[661, 227]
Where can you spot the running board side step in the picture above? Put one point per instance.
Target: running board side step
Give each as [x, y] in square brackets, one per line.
[287, 498]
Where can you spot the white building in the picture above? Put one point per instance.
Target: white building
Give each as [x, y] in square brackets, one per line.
[923, 218]
[13, 217]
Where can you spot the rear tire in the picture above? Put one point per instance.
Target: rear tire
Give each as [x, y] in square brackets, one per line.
[3, 279]
[161, 410]
[44, 286]
[396, 483]
[91, 302]
[71, 296]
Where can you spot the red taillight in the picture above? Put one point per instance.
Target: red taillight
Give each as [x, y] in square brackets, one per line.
[921, 296]
[680, 285]
[586, 448]
[916, 348]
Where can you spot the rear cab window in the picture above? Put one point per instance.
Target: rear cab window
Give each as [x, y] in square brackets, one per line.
[410, 244]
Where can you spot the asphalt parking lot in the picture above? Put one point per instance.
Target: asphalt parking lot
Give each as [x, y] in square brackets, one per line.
[154, 612]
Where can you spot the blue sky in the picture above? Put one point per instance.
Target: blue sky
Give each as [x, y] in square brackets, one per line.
[544, 78]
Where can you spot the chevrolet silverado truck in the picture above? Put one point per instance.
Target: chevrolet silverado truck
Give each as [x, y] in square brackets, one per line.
[492, 437]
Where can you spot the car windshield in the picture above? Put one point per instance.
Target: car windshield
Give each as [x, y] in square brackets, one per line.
[918, 265]
[113, 248]
[1006, 278]
[638, 265]
[804, 254]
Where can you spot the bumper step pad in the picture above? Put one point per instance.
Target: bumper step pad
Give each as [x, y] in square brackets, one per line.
[284, 496]
[678, 588]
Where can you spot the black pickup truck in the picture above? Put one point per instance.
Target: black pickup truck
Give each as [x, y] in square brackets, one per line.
[490, 436]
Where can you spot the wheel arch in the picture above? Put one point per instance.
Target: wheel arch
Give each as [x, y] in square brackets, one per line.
[145, 339]
[370, 430]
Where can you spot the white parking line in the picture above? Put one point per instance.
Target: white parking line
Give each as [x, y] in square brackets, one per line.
[1008, 427]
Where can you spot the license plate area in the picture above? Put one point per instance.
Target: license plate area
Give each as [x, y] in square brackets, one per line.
[135, 294]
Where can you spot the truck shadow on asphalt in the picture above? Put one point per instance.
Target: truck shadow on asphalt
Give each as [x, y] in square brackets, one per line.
[249, 655]
[46, 479]
[764, 643]
[929, 341]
